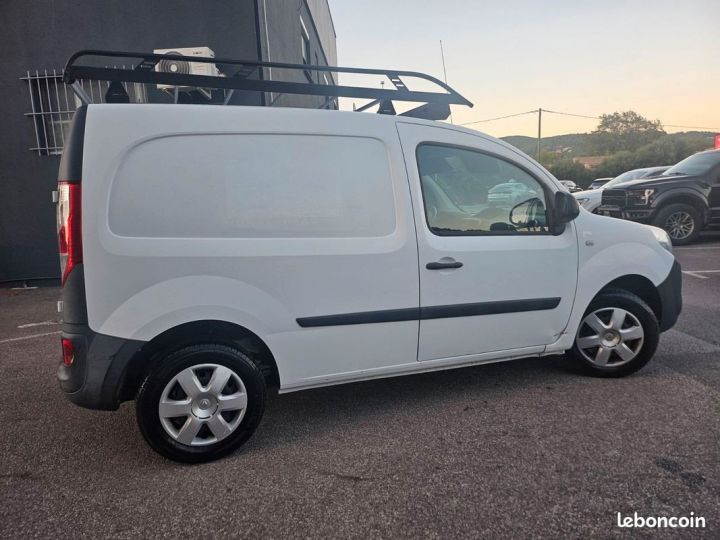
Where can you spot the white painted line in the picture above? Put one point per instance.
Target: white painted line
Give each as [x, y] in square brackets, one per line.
[693, 274]
[32, 324]
[705, 271]
[29, 337]
[696, 247]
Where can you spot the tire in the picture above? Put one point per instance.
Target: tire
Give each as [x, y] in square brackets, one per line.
[617, 338]
[211, 419]
[675, 218]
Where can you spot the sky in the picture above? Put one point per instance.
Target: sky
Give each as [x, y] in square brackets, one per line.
[660, 58]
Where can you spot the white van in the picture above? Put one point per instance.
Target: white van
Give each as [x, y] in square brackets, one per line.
[210, 252]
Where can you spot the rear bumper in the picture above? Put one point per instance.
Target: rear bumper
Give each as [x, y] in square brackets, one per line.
[95, 378]
[670, 292]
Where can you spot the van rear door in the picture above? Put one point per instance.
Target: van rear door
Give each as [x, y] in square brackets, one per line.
[493, 278]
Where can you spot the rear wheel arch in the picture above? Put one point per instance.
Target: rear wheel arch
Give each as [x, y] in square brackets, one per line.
[193, 333]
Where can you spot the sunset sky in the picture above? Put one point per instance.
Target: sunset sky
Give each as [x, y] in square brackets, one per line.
[660, 58]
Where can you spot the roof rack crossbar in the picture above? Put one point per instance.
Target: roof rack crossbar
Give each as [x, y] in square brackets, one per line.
[368, 105]
[145, 63]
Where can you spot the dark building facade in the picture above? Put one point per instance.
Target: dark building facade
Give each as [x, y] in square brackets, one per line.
[37, 38]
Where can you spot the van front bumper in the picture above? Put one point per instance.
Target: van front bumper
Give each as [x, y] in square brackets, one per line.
[670, 292]
[94, 379]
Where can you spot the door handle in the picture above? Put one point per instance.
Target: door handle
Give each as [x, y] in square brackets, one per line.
[443, 265]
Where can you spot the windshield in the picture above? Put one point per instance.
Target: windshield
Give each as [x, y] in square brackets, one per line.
[695, 164]
[624, 177]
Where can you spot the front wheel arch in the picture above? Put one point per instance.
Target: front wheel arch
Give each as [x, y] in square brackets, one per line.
[696, 201]
[639, 286]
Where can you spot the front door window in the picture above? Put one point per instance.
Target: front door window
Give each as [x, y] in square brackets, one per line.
[466, 192]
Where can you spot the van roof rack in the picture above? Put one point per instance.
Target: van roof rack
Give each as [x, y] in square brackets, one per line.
[435, 105]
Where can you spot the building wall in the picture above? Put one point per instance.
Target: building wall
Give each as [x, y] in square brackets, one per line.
[280, 41]
[42, 34]
[320, 11]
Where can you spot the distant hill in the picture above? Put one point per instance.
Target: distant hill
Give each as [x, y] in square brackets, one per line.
[578, 144]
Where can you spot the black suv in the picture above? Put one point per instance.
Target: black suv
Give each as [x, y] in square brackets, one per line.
[683, 201]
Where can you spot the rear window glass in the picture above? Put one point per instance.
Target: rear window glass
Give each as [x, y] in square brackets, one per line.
[254, 186]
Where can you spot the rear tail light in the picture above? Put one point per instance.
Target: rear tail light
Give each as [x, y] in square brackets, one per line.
[69, 227]
[68, 352]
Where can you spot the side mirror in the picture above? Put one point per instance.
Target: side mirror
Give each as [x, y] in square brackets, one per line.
[565, 209]
[524, 215]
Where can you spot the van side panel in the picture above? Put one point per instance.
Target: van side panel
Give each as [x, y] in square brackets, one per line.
[252, 216]
[322, 186]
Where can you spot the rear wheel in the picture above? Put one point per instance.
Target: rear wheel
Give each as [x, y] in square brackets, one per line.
[201, 403]
[617, 336]
[681, 221]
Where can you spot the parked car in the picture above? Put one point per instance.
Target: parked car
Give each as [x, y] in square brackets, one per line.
[591, 199]
[209, 252]
[683, 201]
[599, 182]
[572, 186]
[509, 193]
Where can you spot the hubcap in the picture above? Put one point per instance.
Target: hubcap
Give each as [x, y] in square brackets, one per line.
[204, 408]
[679, 225]
[202, 404]
[610, 337]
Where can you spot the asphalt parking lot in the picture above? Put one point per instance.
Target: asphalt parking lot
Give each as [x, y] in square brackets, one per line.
[523, 449]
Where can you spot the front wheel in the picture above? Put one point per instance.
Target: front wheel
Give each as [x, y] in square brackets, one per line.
[201, 402]
[682, 222]
[617, 336]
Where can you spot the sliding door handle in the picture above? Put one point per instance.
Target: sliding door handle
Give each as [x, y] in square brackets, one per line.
[443, 264]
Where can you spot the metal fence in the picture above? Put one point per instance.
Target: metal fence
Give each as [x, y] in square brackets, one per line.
[53, 103]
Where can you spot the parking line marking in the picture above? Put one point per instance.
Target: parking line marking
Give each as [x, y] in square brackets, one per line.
[698, 273]
[32, 324]
[29, 337]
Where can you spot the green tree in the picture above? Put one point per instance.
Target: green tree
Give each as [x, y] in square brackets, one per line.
[666, 150]
[550, 158]
[567, 169]
[624, 131]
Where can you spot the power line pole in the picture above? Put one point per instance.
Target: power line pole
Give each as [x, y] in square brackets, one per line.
[539, 138]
